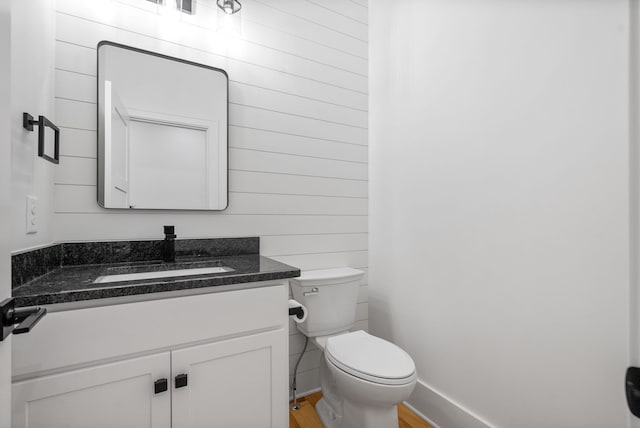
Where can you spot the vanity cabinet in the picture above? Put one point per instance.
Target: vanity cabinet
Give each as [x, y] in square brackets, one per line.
[119, 394]
[223, 356]
[228, 382]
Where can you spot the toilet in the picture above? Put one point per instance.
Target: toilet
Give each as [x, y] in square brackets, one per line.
[362, 377]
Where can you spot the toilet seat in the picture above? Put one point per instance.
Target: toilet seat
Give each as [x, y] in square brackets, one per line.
[370, 358]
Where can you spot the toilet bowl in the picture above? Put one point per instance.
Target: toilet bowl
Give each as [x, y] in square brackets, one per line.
[362, 377]
[365, 377]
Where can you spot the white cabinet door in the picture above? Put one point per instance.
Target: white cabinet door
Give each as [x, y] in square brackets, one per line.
[236, 383]
[115, 395]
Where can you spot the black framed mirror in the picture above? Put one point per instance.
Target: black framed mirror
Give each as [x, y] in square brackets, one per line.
[162, 131]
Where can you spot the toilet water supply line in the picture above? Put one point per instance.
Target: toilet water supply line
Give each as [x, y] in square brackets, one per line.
[295, 405]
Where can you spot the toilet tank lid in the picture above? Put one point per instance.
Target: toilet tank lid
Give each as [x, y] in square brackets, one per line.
[327, 276]
[370, 357]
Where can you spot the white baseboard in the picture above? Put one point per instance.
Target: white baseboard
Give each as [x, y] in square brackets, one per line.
[304, 393]
[434, 407]
[420, 415]
[441, 411]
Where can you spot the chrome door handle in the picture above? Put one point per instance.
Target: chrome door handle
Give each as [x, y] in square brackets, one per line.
[313, 292]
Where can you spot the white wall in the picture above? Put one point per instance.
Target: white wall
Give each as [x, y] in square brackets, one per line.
[32, 65]
[499, 206]
[297, 136]
[634, 179]
[5, 203]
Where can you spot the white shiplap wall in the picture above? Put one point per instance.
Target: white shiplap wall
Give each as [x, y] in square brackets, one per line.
[297, 136]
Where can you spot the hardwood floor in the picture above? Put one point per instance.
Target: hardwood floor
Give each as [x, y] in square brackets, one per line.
[306, 416]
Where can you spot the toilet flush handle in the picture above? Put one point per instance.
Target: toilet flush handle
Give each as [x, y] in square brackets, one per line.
[313, 292]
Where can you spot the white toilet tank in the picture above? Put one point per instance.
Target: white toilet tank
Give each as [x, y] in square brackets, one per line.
[330, 296]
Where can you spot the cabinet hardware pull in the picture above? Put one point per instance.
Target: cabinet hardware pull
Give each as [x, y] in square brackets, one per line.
[161, 385]
[181, 380]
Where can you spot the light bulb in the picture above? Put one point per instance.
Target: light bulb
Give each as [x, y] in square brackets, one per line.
[229, 6]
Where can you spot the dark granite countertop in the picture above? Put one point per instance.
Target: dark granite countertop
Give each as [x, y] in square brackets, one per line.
[76, 282]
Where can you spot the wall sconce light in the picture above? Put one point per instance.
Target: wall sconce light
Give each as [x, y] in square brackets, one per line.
[229, 6]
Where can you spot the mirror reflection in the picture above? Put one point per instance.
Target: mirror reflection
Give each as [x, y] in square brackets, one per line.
[162, 131]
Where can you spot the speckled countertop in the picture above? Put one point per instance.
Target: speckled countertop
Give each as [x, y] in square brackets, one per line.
[77, 282]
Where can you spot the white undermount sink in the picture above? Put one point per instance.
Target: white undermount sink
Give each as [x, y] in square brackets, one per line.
[161, 274]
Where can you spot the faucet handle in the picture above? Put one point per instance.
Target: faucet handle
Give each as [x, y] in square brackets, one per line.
[170, 232]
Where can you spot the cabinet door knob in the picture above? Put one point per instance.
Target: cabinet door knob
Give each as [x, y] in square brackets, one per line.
[161, 385]
[181, 380]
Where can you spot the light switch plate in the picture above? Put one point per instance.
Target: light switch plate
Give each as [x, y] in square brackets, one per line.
[32, 214]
